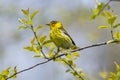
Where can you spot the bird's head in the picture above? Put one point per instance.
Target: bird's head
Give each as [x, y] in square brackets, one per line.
[55, 25]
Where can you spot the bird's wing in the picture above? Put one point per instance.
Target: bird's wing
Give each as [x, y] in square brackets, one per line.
[65, 32]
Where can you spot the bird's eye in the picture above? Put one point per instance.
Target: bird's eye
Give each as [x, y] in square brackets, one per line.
[53, 25]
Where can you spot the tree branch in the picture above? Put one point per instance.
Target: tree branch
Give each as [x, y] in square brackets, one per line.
[34, 66]
[28, 69]
[94, 45]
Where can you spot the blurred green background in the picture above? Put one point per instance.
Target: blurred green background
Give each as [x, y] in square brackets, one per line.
[75, 16]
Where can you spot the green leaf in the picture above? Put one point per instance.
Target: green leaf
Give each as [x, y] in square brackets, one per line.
[34, 14]
[107, 14]
[116, 35]
[117, 67]
[110, 41]
[21, 27]
[29, 20]
[33, 41]
[93, 16]
[76, 54]
[37, 49]
[113, 75]
[37, 28]
[99, 7]
[69, 56]
[15, 71]
[29, 48]
[51, 53]
[116, 25]
[111, 20]
[97, 10]
[101, 27]
[70, 62]
[42, 39]
[23, 21]
[37, 56]
[47, 41]
[25, 12]
[68, 70]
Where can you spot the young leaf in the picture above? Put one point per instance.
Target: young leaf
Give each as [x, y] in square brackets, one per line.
[107, 14]
[110, 41]
[38, 28]
[116, 25]
[15, 71]
[101, 27]
[25, 12]
[68, 70]
[117, 66]
[22, 21]
[37, 49]
[34, 14]
[97, 10]
[51, 54]
[113, 75]
[103, 74]
[37, 56]
[47, 41]
[76, 54]
[42, 39]
[29, 48]
[33, 41]
[29, 22]
[111, 20]
[21, 27]
[116, 35]
[69, 56]
[70, 62]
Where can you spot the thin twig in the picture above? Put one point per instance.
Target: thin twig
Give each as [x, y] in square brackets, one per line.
[38, 42]
[111, 31]
[94, 45]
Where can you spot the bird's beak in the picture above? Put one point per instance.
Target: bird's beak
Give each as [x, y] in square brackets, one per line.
[48, 24]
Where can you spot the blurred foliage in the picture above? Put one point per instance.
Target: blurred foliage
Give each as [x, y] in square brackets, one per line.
[112, 75]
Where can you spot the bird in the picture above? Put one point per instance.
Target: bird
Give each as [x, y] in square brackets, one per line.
[59, 36]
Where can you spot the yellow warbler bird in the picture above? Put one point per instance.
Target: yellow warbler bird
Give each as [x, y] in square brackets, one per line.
[59, 36]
